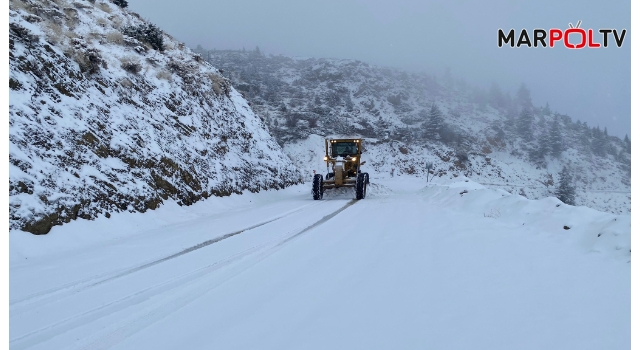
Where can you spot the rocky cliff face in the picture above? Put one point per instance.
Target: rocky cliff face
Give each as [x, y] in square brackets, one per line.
[102, 122]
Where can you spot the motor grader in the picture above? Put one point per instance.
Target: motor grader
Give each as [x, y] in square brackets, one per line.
[343, 158]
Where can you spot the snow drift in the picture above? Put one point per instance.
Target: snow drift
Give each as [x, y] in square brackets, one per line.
[102, 122]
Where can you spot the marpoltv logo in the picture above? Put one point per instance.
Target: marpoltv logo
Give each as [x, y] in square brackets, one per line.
[572, 38]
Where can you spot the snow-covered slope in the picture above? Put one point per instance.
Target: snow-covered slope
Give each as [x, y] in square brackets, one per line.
[484, 135]
[448, 265]
[499, 170]
[102, 122]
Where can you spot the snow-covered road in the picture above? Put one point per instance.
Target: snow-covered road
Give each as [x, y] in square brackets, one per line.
[408, 267]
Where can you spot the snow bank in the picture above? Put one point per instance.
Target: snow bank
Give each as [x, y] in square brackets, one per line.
[83, 235]
[589, 230]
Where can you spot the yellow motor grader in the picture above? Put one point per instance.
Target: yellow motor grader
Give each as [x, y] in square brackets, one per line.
[343, 158]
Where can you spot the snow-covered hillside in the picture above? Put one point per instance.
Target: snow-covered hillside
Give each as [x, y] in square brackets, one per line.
[102, 122]
[448, 265]
[485, 135]
[499, 170]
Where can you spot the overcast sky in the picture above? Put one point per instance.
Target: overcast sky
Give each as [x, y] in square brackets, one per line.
[591, 85]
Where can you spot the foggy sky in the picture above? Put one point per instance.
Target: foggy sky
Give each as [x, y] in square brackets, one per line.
[591, 85]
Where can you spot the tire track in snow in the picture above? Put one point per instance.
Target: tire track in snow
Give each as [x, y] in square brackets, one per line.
[320, 222]
[161, 310]
[48, 332]
[156, 312]
[77, 286]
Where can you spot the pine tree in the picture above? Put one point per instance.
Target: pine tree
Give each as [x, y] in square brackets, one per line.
[621, 156]
[524, 96]
[510, 125]
[555, 138]
[542, 124]
[543, 139]
[546, 110]
[508, 101]
[496, 99]
[525, 122]
[461, 85]
[599, 143]
[448, 78]
[434, 123]
[348, 102]
[585, 138]
[566, 192]
[627, 143]
[480, 97]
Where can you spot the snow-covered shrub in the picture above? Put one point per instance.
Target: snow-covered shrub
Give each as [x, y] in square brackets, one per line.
[96, 36]
[462, 155]
[115, 37]
[217, 82]
[102, 22]
[121, 3]
[146, 33]
[88, 59]
[163, 74]
[70, 34]
[24, 34]
[71, 18]
[131, 64]
[55, 32]
[125, 83]
[61, 3]
[493, 213]
[14, 84]
[291, 120]
[104, 7]
[82, 5]
[116, 22]
[182, 69]
[20, 5]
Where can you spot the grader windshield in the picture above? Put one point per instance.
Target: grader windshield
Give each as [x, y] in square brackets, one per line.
[343, 149]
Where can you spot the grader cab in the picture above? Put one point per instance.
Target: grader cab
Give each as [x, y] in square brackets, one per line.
[343, 158]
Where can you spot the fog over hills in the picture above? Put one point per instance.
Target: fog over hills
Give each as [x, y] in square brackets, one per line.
[498, 137]
[430, 36]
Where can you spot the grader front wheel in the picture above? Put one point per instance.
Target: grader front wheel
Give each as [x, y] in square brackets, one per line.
[361, 186]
